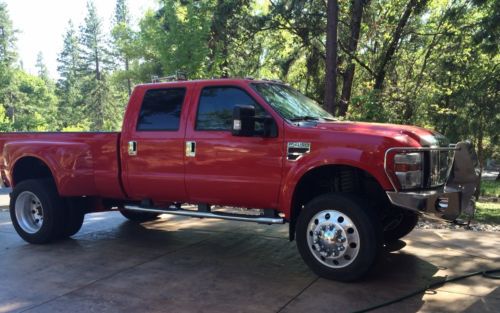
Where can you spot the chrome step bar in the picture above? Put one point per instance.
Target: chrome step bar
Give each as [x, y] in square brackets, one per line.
[219, 215]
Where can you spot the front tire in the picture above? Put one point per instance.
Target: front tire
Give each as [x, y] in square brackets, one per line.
[36, 210]
[407, 222]
[338, 237]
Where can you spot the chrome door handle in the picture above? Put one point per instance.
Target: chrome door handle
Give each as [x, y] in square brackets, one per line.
[191, 149]
[132, 148]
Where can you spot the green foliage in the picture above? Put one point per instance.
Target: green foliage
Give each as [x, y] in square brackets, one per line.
[95, 63]
[488, 212]
[443, 73]
[34, 102]
[176, 36]
[490, 188]
[5, 125]
[42, 70]
[70, 98]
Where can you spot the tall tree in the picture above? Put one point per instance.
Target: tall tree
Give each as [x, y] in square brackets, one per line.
[8, 56]
[8, 52]
[94, 62]
[356, 15]
[296, 48]
[331, 57]
[70, 108]
[225, 31]
[392, 45]
[42, 70]
[175, 37]
[123, 39]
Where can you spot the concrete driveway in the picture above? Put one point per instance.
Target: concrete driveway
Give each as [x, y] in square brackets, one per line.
[190, 265]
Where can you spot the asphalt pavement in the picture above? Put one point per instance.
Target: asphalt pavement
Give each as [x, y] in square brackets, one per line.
[179, 264]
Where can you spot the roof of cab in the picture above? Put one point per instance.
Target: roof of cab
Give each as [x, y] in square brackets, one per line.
[211, 81]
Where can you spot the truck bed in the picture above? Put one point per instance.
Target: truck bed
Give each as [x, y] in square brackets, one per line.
[81, 162]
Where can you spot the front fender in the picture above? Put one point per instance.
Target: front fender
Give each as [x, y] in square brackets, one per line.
[370, 161]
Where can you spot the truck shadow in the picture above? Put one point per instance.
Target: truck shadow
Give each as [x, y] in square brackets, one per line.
[266, 260]
[197, 265]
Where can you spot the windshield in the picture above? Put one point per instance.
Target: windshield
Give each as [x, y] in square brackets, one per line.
[291, 104]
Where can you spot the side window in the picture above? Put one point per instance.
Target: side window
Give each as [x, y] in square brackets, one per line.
[161, 109]
[215, 108]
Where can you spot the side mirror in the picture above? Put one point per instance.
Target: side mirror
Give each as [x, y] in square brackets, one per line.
[243, 120]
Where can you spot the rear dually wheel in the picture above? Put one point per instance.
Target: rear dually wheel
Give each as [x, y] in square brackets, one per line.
[36, 210]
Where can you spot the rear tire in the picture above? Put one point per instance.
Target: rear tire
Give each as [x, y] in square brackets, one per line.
[73, 221]
[36, 210]
[338, 237]
[139, 217]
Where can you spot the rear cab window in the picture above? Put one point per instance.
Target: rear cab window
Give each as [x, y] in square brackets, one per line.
[161, 110]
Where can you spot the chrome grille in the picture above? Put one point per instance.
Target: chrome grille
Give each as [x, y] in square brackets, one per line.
[439, 167]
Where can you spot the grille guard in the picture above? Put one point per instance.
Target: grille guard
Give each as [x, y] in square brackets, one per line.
[446, 202]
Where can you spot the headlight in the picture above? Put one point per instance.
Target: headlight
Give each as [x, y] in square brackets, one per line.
[408, 169]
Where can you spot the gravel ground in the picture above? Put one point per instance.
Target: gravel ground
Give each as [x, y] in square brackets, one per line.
[474, 226]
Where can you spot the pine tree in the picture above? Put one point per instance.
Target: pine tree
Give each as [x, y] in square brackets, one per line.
[70, 106]
[8, 57]
[94, 63]
[8, 53]
[42, 70]
[123, 40]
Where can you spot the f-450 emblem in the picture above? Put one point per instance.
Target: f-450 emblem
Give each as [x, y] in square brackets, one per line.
[295, 150]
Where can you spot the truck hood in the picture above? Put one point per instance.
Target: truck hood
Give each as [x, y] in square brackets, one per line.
[422, 136]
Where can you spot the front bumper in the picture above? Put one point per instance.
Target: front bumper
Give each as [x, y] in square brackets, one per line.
[452, 199]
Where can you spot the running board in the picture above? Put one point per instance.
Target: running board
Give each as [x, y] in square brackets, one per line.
[220, 215]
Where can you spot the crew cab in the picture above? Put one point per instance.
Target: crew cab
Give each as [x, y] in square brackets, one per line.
[345, 188]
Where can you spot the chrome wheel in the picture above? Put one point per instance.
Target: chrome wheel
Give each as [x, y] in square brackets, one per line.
[29, 212]
[333, 238]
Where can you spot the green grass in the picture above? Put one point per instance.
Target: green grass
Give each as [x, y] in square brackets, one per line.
[488, 212]
[490, 188]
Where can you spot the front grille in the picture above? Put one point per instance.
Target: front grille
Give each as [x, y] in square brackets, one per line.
[439, 167]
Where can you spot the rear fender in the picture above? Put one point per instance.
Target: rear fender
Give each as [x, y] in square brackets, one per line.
[70, 163]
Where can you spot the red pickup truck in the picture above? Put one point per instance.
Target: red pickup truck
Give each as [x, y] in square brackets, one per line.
[345, 188]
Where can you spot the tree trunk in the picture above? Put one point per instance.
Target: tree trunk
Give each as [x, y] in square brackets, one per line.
[393, 44]
[129, 81]
[480, 146]
[352, 46]
[331, 57]
[97, 65]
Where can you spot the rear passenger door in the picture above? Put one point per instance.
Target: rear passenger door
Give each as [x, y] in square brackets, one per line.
[153, 145]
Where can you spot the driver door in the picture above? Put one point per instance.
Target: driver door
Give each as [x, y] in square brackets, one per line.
[224, 169]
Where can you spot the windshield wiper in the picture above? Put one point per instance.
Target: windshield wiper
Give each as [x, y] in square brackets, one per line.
[304, 118]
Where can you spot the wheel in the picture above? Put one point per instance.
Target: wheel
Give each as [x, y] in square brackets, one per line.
[338, 237]
[139, 217]
[36, 211]
[407, 222]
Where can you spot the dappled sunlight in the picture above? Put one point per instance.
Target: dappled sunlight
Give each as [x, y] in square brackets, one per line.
[183, 248]
[444, 301]
[12, 306]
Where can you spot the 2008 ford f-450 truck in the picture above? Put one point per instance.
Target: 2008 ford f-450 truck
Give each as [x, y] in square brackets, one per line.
[345, 188]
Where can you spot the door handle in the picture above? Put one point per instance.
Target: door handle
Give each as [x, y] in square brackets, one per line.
[191, 149]
[132, 148]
